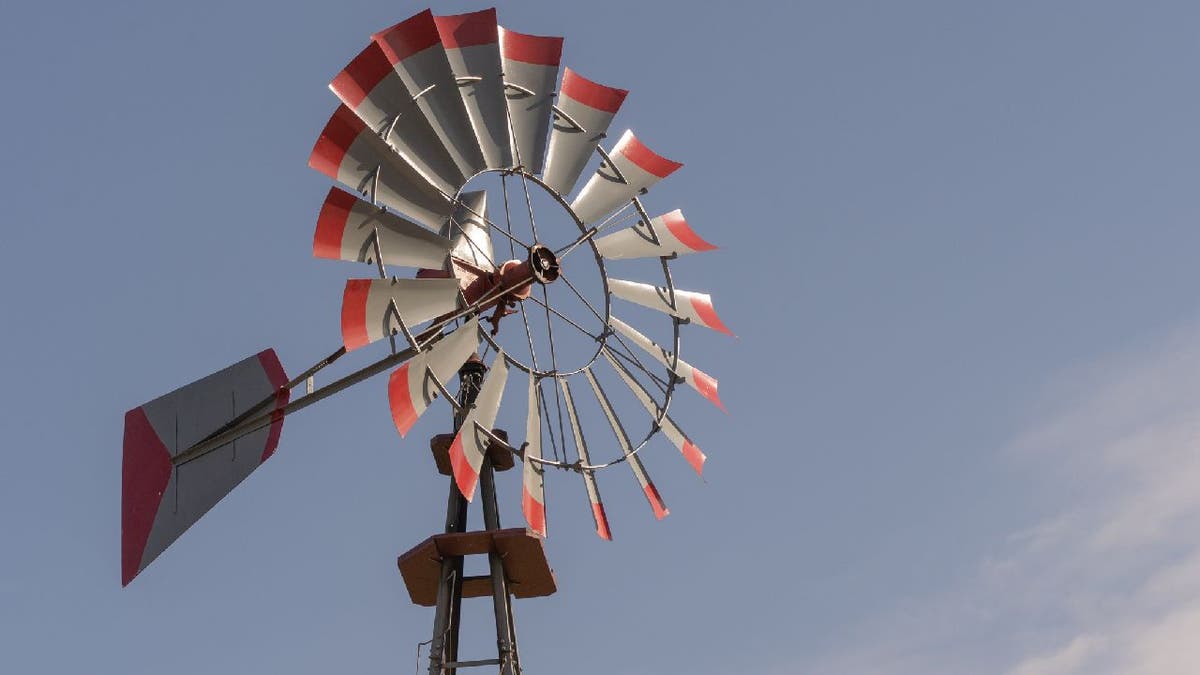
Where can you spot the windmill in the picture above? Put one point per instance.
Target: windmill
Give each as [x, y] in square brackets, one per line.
[434, 108]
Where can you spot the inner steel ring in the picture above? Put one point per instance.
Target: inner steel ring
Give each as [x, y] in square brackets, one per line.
[656, 420]
[607, 310]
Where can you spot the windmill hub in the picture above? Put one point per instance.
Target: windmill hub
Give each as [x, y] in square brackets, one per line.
[543, 264]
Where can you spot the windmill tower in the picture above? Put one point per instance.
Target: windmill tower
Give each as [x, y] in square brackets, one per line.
[442, 120]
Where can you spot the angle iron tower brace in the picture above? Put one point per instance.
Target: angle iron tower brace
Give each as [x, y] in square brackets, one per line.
[433, 570]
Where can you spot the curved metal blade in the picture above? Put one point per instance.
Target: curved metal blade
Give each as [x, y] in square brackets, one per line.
[350, 153]
[409, 388]
[696, 378]
[414, 48]
[589, 478]
[470, 445]
[468, 231]
[530, 74]
[686, 447]
[472, 43]
[639, 471]
[347, 227]
[373, 309]
[370, 87]
[667, 235]
[632, 167]
[695, 307]
[533, 487]
[587, 110]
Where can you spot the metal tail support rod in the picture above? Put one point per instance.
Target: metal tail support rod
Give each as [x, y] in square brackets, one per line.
[262, 414]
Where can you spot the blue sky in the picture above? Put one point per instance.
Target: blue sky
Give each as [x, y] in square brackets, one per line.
[957, 246]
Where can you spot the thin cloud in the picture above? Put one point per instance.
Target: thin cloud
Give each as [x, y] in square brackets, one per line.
[1107, 583]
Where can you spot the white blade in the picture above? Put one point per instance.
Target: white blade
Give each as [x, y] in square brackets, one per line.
[352, 154]
[372, 309]
[530, 73]
[667, 235]
[470, 445]
[415, 51]
[472, 43]
[533, 487]
[370, 87]
[467, 229]
[634, 462]
[703, 383]
[633, 168]
[686, 447]
[587, 110]
[695, 307]
[589, 479]
[409, 389]
[347, 227]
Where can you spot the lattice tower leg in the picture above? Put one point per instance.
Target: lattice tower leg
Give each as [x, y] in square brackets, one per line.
[443, 652]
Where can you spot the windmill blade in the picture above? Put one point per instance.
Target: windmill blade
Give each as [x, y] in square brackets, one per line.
[470, 445]
[667, 235]
[350, 153]
[695, 307]
[589, 478]
[697, 379]
[414, 48]
[586, 109]
[373, 309]
[467, 230]
[634, 462]
[348, 226]
[686, 447]
[370, 87]
[533, 487]
[530, 73]
[159, 501]
[409, 388]
[630, 168]
[472, 43]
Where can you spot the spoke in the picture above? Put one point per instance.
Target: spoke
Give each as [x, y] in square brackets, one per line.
[529, 206]
[489, 223]
[554, 365]
[620, 339]
[524, 315]
[658, 381]
[529, 338]
[471, 242]
[603, 321]
[595, 229]
[549, 426]
[564, 317]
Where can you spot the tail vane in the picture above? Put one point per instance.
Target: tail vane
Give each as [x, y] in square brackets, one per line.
[159, 499]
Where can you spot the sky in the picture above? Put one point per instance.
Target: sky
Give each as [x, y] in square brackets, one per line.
[956, 246]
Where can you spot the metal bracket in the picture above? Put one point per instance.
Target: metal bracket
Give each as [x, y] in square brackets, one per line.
[519, 88]
[608, 160]
[393, 310]
[571, 120]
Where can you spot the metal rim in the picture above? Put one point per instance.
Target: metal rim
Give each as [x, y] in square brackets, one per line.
[666, 385]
